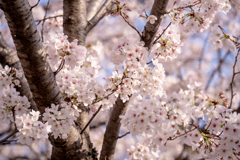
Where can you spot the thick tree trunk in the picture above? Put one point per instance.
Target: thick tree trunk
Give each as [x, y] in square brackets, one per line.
[31, 53]
[40, 76]
[75, 20]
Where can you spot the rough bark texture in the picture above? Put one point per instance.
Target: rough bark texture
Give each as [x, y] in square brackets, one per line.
[31, 53]
[10, 58]
[112, 130]
[75, 20]
[40, 76]
[93, 7]
[150, 30]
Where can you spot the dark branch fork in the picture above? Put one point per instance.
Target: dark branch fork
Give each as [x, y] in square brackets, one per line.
[233, 76]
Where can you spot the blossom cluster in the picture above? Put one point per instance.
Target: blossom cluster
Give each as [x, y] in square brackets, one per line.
[77, 79]
[59, 48]
[177, 118]
[15, 108]
[61, 118]
[30, 129]
[197, 15]
[140, 77]
[217, 37]
[168, 46]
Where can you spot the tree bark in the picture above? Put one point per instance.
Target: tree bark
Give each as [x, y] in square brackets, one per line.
[40, 76]
[31, 53]
[150, 30]
[99, 15]
[10, 58]
[74, 24]
[112, 130]
[113, 126]
[93, 7]
[75, 20]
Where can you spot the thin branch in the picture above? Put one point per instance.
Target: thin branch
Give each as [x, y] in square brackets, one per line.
[39, 21]
[8, 136]
[45, 19]
[130, 25]
[221, 61]
[233, 76]
[99, 15]
[35, 5]
[60, 67]
[95, 126]
[123, 135]
[235, 4]
[91, 119]
[162, 33]
[203, 50]
[188, 6]
[170, 138]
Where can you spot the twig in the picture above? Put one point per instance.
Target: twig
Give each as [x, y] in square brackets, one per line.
[10, 135]
[233, 76]
[123, 135]
[130, 25]
[14, 131]
[188, 6]
[170, 138]
[40, 20]
[60, 67]
[162, 33]
[91, 119]
[45, 19]
[35, 5]
[14, 119]
[99, 15]
[203, 50]
[235, 3]
[221, 61]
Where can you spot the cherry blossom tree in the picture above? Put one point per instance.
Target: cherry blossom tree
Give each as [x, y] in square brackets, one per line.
[120, 79]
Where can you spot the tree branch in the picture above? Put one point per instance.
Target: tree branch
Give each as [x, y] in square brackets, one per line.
[130, 25]
[113, 126]
[94, 115]
[35, 5]
[150, 30]
[93, 7]
[45, 18]
[99, 15]
[40, 20]
[31, 53]
[10, 58]
[221, 61]
[162, 33]
[112, 130]
[123, 135]
[74, 20]
[8, 136]
[233, 76]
